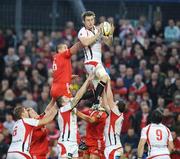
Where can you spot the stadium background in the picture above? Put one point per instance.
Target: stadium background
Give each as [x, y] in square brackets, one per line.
[30, 30]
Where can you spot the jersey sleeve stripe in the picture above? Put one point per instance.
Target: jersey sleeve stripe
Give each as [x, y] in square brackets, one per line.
[157, 156]
[168, 135]
[23, 154]
[147, 133]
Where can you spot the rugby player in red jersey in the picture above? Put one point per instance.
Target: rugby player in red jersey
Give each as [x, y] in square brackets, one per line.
[62, 70]
[39, 142]
[94, 132]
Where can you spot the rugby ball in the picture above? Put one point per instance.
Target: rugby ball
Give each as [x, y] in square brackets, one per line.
[106, 28]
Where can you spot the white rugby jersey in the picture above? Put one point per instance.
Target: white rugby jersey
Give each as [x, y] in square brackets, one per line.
[157, 136]
[67, 121]
[92, 52]
[22, 134]
[113, 127]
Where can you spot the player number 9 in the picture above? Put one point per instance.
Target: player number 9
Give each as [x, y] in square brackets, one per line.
[158, 134]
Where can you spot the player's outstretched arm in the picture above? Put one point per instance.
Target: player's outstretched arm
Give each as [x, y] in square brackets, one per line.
[50, 105]
[86, 117]
[82, 90]
[49, 116]
[110, 97]
[171, 146]
[75, 48]
[105, 102]
[141, 148]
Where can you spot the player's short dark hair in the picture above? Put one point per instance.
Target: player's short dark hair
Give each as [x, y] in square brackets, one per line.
[121, 105]
[87, 14]
[59, 101]
[18, 112]
[156, 117]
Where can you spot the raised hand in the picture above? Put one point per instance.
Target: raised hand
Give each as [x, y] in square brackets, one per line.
[112, 29]
[90, 77]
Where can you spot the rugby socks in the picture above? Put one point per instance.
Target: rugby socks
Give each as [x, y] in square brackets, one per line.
[99, 90]
[89, 94]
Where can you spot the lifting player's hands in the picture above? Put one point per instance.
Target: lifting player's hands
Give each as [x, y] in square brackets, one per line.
[112, 29]
[100, 29]
[90, 77]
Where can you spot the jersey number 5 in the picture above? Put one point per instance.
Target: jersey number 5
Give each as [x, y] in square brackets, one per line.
[159, 134]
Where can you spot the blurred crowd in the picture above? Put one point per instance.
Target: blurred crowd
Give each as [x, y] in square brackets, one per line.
[143, 64]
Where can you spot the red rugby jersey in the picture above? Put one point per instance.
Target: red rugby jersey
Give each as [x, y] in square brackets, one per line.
[39, 142]
[62, 69]
[95, 131]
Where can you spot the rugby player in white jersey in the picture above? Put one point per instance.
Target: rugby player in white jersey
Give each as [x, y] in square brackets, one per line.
[23, 129]
[113, 146]
[67, 121]
[91, 37]
[158, 138]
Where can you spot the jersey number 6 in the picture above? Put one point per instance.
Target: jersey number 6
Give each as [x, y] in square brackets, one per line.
[54, 67]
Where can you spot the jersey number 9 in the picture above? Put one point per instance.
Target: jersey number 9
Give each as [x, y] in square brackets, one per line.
[159, 134]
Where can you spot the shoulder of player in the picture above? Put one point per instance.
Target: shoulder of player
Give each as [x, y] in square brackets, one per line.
[101, 114]
[165, 127]
[82, 29]
[116, 111]
[28, 120]
[63, 53]
[65, 108]
[147, 127]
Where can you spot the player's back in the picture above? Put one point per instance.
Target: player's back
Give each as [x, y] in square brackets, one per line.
[62, 69]
[67, 121]
[113, 127]
[158, 137]
[92, 52]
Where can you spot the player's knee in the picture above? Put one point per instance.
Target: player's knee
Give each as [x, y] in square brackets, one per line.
[100, 72]
[104, 78]
[102, 75]
[119, 151]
